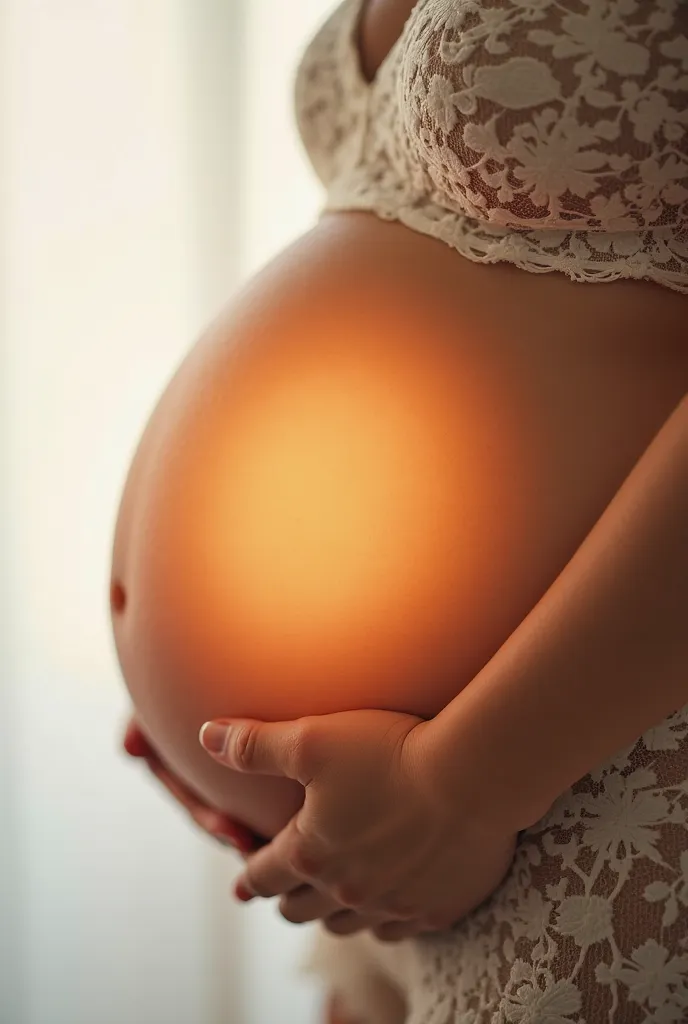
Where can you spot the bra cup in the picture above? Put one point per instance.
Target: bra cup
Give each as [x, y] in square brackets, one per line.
[548, 138]
[502, 131]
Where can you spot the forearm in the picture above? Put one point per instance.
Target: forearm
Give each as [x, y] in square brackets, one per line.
[601, 658]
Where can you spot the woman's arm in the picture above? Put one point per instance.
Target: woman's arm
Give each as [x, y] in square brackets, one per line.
[601, 658]
[433, 807]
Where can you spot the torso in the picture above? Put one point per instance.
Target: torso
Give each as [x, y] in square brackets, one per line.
[537, 396]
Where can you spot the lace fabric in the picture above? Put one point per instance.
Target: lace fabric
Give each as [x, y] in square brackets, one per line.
[549, 134]
[590, 925]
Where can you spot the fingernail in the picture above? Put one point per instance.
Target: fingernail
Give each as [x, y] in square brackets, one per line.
[214, 737]
[242, 893]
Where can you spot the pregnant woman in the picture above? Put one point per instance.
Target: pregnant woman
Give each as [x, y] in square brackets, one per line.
[419, 501]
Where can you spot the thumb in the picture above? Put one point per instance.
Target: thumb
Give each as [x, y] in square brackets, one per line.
[263, 748]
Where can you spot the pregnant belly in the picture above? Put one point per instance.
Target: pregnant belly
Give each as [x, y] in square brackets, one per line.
[362, 479]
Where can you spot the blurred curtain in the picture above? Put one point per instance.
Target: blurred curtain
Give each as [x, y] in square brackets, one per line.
[146, 152]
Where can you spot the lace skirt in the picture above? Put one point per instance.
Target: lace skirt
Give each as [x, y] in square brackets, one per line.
[589, 926]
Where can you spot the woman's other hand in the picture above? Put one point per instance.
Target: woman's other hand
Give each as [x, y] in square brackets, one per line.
[377, 833]
[215, 823]
[219, 826]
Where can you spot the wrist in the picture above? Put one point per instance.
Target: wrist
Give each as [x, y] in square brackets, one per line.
[569, 688]
[469, 773]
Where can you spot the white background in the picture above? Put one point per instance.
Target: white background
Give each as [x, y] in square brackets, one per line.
[149, 162]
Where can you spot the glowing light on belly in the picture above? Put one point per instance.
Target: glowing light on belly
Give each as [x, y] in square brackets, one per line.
[333, 499]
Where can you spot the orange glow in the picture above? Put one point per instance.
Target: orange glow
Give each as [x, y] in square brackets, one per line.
[315, 521]
[329, 490]
[346, 498]
[328, 520]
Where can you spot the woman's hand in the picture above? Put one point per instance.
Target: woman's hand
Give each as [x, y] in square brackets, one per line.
[216, 824]
[219, 826]
[376, 833]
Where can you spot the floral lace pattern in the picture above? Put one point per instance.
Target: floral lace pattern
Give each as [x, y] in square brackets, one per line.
[550, 134]
[589, 926]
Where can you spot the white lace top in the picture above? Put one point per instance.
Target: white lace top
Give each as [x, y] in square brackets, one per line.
[552, 134]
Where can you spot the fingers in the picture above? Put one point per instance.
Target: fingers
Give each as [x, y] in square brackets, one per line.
[204, 816]
[349, 922]
[137, 745]
[293, 858]
[215, 823]
[134, 742]
[307, 904]
[282, 865]
[266, 748]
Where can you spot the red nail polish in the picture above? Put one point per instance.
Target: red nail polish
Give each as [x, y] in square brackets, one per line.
[241, 837]
[242, 893]
[238, 839]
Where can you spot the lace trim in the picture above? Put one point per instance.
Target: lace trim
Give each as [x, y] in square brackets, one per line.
[397, 146]
[589, 926]
[659, 255]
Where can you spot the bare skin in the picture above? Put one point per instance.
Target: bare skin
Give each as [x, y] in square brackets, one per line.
[581, 377]
[553, 391]
[381, 24]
